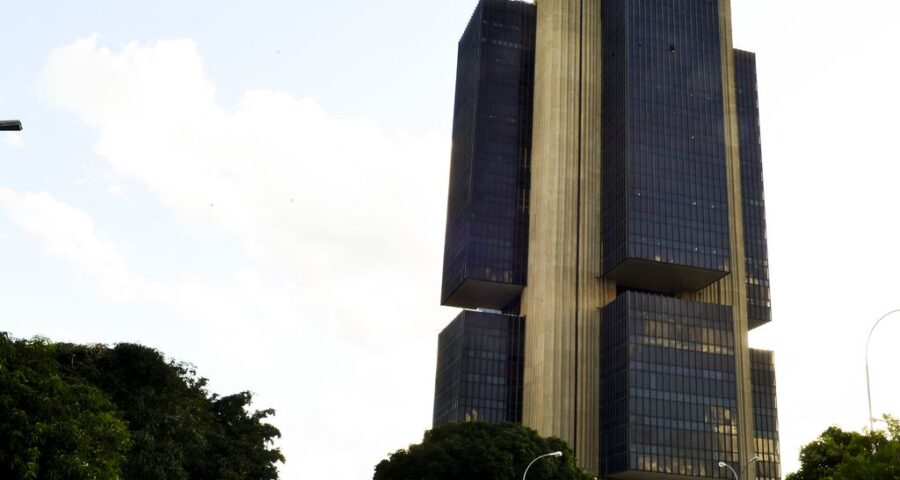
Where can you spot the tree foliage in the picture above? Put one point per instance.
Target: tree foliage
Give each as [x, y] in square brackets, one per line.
[840, 455]
[236, 445]
[96, 412]
[52, 427]
[480, 451]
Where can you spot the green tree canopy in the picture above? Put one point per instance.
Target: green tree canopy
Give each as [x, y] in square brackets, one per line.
[51, 426]
[840, 455]
[94, 412]
[480, 451]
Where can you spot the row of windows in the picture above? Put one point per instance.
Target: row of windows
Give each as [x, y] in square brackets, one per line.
[491, 415]
[672, 253]
[681, 416]
[677, 176]
[690, 443]
[673, 344]
[706, 256]
[675, 385]
[678, 142]
[681, 371]
[665, 329]
[483, 395]
[674, 118]
[683, 360]
[669, 208]
[706, 468]
[705, 218]
[485, 379]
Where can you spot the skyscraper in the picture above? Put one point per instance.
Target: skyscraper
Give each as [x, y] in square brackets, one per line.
[606, 192]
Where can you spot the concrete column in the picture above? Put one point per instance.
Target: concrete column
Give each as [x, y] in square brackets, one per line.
[564, 293]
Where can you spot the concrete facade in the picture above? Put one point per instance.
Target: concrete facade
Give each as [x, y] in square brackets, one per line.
[565, 292]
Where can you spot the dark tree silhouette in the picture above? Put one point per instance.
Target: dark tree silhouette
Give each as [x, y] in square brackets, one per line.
[480, 451]
[94, 412]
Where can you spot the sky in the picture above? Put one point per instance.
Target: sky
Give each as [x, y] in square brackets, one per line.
[260, 190]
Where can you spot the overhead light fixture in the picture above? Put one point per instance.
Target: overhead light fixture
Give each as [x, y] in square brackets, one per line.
[10, 126]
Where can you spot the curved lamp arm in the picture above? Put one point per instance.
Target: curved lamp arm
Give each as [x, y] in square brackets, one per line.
[736, 476]
[754, 459]
[551, 454]
[725, 465]
[868, 384]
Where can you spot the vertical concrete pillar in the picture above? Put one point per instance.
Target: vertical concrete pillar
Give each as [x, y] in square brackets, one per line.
[564, 293]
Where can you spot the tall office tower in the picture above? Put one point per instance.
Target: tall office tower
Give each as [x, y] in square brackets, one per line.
[606, 190]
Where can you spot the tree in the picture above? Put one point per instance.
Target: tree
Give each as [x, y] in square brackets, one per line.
[241, 441]
[840, 455]
[163, 405]
[480, 451]
[99, 413]
[179, 431]
[52, 427]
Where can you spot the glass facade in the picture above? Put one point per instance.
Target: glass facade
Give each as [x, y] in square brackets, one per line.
[479, 371]
[665, 204]
[754, 206]
[668, 398]
[765, 415]
[485, 252]
[668, 388]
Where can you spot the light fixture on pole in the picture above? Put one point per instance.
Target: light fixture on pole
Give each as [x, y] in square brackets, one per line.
[736, 476]
[868, 384]
[551, 454]
[10, 126]
[725, 465]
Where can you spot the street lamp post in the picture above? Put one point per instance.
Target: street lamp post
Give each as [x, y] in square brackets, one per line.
[551, 454]
[741, 476]
[868, 384]
[10, 126]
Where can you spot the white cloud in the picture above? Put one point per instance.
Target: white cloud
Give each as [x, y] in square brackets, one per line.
[69, 233]
[295, 184]
[336, 321]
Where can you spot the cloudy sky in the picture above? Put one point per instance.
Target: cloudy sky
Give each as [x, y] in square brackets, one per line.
[259, 189]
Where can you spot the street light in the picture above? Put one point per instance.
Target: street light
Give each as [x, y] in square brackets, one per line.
[736, 476]
[10, 126]
[551, 454]
[868, 385]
